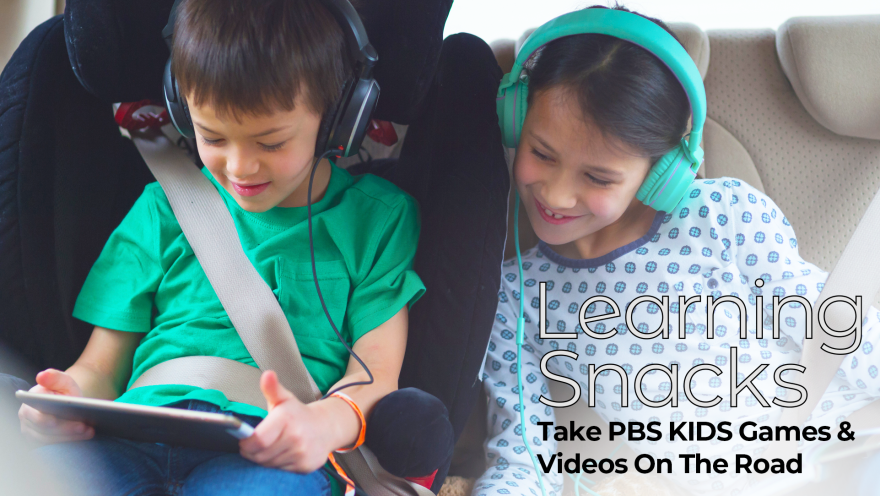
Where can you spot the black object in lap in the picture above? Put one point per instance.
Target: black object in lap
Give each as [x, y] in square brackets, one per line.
[410, 434]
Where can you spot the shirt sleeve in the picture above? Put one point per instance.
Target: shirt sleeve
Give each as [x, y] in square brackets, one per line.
[766, 247]
[511, 471]
[389, 283]
[118, 292]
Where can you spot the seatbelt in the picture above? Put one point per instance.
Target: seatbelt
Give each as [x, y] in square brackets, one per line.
[252, 309]
[856, 273]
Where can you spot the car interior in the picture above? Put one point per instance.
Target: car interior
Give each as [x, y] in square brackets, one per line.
[794, 112]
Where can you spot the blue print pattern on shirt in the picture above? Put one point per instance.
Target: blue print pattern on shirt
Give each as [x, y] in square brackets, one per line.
[723, 236]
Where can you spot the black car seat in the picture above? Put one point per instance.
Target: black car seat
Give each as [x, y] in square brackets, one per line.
[67, 178]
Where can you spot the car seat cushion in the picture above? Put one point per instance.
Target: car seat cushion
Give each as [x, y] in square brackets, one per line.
[833, 65]
[67, 177]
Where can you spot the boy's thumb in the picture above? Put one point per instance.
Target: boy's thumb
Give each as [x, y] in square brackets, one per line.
[272, 389]
[58, 382]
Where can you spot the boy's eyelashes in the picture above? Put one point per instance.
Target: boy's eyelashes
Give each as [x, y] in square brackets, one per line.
[268, 148]
[545, 158]
[272, 148]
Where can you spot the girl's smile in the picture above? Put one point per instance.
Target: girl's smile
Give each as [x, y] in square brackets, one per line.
[552, 217]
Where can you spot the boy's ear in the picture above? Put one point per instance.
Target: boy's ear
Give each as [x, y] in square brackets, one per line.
[326, 126]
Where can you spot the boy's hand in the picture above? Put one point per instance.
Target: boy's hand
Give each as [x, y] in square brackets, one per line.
[45, 428]
[293, 437]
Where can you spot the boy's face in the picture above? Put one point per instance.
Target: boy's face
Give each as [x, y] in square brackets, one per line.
[577, 186]
[262, 161]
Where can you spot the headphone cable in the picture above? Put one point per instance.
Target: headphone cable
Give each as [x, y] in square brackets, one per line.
[318, 287]
[520, 338]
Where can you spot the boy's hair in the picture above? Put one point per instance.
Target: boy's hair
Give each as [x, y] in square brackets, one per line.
[256, 57]
[622, 89]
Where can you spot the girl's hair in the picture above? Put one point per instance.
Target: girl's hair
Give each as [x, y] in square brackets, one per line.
[622, 89]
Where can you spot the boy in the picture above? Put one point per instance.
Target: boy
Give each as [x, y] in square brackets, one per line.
[258, 77]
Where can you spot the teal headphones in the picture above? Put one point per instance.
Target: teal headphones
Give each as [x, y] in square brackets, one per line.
[669, 178]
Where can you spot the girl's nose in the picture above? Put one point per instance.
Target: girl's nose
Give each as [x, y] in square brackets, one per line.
[559, 193]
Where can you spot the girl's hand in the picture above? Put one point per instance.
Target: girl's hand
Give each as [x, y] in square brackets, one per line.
[45, 428]
[293, 437]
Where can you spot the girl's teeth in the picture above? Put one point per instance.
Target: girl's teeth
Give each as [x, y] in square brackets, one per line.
[551, 214]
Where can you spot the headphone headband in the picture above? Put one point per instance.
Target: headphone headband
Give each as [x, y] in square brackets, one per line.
[355, 35]
[348, 19]
[635, 29]
[342, 127]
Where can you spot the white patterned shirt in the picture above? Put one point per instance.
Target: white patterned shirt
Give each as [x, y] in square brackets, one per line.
[723, 236]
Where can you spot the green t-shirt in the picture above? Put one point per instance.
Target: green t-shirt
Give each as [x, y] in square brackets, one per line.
[147, 279]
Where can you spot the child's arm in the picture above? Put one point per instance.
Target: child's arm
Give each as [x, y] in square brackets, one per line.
[100, 372]
[298, 437]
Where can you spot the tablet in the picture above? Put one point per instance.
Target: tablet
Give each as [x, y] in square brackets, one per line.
[155, 424]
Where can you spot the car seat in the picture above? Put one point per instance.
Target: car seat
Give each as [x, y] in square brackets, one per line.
[67, 176]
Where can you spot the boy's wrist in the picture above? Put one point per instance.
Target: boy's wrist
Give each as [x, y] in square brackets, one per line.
[341, 421]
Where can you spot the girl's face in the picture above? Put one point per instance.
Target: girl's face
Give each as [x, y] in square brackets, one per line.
[578, 186]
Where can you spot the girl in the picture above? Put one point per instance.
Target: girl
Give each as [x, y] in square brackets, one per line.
[601, 112]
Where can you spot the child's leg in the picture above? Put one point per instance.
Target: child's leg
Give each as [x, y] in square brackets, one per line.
[106, 466]
[230, 474]
[410, 434]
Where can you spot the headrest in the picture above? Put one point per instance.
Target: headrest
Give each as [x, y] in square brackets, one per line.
[116, 48]
[833, 64]
[695, 42]
[692, 38]
[118, 55]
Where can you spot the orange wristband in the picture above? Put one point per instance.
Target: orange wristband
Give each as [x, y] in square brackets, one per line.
[349, 484]
[360, 440]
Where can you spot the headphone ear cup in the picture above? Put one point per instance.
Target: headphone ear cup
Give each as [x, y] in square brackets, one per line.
[176, 105]
[354, 117]
[522, 108]
[668, 181]
[511, 109]
[190, 126]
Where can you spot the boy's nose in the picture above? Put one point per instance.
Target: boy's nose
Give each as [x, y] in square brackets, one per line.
[241, 165]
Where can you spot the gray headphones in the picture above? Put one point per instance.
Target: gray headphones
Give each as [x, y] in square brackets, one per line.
[343, 127]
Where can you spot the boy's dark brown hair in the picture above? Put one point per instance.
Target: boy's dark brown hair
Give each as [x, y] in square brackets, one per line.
[255, 57]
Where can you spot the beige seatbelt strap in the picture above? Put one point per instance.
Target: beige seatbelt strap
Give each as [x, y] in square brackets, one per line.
[856, 273]
[252, 309]
[238, 381]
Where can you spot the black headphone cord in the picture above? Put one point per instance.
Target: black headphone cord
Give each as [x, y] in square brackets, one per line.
[318, 287]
